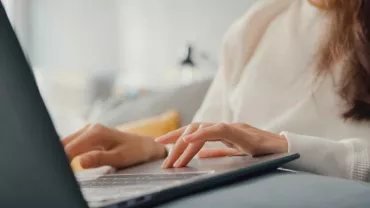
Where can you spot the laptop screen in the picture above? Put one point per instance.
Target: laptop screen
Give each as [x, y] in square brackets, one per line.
[34, 169]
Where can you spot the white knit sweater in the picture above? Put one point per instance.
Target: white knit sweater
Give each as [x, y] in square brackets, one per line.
[267, 80]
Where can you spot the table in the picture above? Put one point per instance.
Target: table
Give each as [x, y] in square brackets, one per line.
[283, 189]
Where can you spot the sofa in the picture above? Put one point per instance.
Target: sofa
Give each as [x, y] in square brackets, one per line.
[186, 100]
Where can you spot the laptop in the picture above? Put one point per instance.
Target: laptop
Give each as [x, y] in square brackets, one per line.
[35, 171]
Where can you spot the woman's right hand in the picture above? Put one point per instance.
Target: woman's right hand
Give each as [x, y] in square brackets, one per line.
[98, 146]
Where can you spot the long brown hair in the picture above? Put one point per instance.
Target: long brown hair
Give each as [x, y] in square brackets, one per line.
[348, 41]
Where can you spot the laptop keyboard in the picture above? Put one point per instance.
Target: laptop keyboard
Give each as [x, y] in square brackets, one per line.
[115, 186]
[135, 180]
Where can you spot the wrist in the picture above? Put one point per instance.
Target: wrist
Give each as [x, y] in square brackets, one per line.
[161, 151]
[274, 143]
[158, 151]
[282, 146]
[150, 150]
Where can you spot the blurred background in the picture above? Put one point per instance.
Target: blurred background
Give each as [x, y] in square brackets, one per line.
[90, 56]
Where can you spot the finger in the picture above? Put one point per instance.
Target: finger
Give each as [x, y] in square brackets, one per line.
[224, 152]
[97, 158]
[192, 149]
[178, 149]
[219, 132]
[189, 154]
[93, 139]
[73, 136]
[226, 133]
[171, 137]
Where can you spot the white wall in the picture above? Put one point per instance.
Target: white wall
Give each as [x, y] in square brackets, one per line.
[153, 31]
[142, 38]
[67, 39]
[74, 34]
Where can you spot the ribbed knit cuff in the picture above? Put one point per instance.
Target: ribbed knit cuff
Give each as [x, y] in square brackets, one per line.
[318, 155]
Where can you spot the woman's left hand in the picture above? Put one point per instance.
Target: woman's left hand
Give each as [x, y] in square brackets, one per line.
[242, 138]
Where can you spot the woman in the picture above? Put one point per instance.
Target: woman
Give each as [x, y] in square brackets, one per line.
[295, 77]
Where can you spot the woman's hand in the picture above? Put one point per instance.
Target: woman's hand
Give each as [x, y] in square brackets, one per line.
[100, 146]
[241, 138]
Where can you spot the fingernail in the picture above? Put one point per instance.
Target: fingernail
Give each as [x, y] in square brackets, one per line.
[177, 164]
[164, 164]
[160, 139]
[157, 140]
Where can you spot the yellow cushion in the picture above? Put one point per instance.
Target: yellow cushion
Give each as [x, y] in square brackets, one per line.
[154, 126]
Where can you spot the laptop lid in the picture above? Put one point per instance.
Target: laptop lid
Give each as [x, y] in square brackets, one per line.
[34, 171]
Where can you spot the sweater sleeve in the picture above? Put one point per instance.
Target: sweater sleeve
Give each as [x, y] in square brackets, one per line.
[347, 158]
